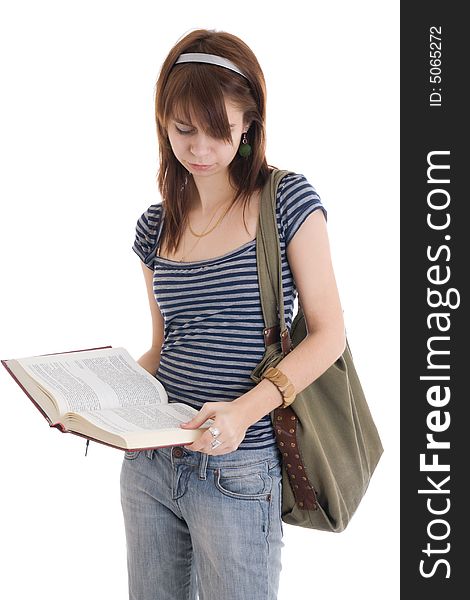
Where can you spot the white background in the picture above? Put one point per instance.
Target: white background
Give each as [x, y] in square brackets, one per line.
[79, 162]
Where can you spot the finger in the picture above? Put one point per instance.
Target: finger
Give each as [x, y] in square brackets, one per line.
[198, 419]
[216, 450]
[204, 444]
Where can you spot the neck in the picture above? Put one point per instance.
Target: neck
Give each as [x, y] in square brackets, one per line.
[214, 192]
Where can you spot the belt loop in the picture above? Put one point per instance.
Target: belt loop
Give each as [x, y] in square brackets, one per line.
[203, 465]
[149, 453]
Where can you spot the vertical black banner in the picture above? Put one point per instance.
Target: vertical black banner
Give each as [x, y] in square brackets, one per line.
[435, 236]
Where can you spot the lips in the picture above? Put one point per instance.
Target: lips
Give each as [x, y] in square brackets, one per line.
[199, 165]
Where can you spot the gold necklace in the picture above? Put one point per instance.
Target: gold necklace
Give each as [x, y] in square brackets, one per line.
[184, 255]
[200, 235]
[204, 233]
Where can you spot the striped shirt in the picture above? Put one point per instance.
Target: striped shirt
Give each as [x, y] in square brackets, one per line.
[213, 320]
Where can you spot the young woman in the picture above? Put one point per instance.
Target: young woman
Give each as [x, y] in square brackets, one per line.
[206, 517]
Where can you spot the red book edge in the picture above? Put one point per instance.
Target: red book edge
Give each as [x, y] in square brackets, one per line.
[60, 426]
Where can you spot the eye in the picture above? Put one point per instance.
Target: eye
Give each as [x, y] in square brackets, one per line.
[183, 131]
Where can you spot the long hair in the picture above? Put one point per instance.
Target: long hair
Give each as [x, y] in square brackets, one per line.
[200, 89]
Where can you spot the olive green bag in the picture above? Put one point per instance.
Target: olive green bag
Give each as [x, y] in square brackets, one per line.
[328, 440]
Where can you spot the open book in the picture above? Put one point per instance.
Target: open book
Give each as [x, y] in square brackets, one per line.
[103, 394]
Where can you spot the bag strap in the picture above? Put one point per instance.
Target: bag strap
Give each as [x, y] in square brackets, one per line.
[268, 259]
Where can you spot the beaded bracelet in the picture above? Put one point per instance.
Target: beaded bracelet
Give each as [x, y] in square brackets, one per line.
[283, 384]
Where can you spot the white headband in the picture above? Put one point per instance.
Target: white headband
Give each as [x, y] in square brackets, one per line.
[211, 59]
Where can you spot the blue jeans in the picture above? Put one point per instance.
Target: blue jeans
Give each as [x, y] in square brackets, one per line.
[197, 523]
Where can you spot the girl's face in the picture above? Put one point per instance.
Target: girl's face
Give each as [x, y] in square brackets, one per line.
[200, 154]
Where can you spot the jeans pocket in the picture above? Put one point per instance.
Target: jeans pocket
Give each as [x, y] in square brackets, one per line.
[131, 454]
[245, 482]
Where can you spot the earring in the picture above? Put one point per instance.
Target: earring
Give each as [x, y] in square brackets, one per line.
[245, 149]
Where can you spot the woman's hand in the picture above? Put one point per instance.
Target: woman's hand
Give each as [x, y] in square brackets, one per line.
[229, 418]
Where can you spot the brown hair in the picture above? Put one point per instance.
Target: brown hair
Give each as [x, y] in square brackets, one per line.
[200, 89]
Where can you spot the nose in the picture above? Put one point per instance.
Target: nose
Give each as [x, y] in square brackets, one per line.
[200, 145]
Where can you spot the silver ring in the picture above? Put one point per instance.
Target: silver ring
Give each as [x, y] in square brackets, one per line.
[215, 444]
[214, 431]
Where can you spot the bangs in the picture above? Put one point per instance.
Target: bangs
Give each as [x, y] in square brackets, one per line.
[195, 95]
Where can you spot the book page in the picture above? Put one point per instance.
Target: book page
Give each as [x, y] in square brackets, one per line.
[141, 418]
[95, 380]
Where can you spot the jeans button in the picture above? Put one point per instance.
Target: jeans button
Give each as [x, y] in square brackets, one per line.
[177, 452]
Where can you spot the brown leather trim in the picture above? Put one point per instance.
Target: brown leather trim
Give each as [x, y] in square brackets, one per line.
[271, 335]
[285, 428]
[286, 343]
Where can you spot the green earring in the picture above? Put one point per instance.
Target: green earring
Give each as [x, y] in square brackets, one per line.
[245, 149]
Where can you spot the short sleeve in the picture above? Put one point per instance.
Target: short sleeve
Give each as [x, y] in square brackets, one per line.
[297, 199]
[146, 234]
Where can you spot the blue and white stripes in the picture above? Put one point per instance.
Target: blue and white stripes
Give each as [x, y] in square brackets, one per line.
[212, 311]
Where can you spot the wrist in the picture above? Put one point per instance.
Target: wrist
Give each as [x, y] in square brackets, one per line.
[274, 394]
[260, 401]
[283, 383]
